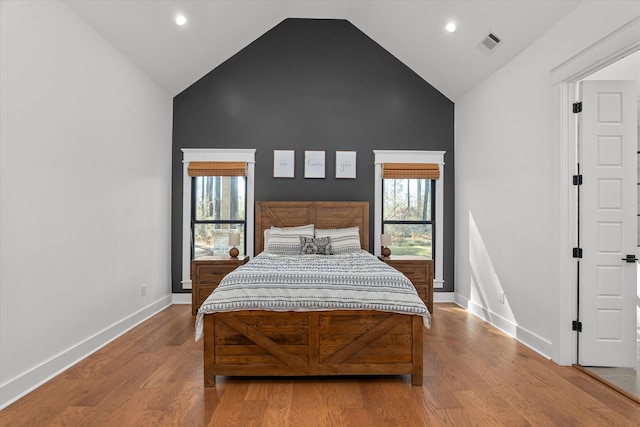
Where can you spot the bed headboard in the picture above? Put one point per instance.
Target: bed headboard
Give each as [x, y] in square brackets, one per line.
[322, 214]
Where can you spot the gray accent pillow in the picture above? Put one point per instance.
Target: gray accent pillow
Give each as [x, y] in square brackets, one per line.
[318, 245]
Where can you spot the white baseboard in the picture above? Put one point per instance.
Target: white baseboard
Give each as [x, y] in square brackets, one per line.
[443, 297]
[16, 388]
[181, 298]
[528, 338]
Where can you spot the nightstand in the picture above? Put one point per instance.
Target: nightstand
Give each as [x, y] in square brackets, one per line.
[419, 270]
[206, 273]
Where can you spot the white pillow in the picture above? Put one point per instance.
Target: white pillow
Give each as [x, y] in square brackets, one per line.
[293, 230]
[343, 240]
[286, 241]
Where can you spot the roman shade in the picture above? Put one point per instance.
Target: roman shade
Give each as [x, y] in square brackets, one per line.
[217, 169]
[410, 170]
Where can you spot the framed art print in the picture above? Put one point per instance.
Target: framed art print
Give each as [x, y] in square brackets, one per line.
[345, 165]
[284, 163]
[314, 164]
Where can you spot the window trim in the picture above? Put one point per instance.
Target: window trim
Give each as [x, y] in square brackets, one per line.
[410, 156]
[214, 155]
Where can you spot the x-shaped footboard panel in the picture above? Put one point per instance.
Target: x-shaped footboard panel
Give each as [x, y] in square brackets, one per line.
[264, 342]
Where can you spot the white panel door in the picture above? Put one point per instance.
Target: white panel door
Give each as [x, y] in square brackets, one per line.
[608, 226]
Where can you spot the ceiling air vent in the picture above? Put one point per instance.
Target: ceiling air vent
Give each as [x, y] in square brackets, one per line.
[489, 43]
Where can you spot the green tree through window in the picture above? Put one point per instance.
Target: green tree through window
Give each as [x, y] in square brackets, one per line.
[218, 209]
[408, 215]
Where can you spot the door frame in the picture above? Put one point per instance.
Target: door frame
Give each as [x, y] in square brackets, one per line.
[564, 77]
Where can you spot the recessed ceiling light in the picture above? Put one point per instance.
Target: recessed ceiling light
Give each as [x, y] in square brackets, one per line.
[451, 27]
[181, 19]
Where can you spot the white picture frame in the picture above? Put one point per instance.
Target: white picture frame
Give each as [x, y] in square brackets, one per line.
[346, 164]
[314, 164]
[284, 163]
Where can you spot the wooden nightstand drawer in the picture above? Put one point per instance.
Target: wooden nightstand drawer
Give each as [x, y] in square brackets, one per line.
[417, 273]
[422, 291]
[206, 274]
[202, 293]
[419, 270]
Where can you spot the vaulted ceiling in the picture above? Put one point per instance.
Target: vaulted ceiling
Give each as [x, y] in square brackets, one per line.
[412, 30]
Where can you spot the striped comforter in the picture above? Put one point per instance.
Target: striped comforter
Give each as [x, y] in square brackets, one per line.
[353, 281]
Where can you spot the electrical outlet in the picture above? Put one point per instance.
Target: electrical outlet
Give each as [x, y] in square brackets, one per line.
[143, 290]
[501, 297]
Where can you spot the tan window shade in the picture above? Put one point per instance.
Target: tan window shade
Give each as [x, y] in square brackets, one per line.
[217, 169]
[410, 170]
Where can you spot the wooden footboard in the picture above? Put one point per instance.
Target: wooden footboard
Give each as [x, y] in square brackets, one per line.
[260, 343]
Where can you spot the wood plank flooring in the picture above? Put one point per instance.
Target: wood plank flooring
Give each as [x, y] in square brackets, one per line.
[474, 376]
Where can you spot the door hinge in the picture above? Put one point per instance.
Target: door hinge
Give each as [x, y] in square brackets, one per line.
[576, 325]
[577, 252]
[577, 107]
[577, 179]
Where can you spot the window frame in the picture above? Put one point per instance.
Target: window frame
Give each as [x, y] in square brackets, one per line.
[214, 155]
[413, 156]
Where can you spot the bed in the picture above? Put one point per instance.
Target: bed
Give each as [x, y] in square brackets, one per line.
[316, 341]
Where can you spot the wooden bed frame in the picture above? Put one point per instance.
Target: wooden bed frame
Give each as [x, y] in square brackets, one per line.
[344, 342]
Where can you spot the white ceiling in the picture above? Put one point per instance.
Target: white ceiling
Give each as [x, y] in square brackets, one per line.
[412, 30]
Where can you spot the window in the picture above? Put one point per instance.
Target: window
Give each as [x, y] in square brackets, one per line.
[218, 209]
[409, 194]
[217, 199]
[408, 215]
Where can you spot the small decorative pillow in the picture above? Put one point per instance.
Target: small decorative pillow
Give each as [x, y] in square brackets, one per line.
[320, 246]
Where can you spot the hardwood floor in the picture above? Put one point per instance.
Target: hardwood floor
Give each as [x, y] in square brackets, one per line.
[474, 375]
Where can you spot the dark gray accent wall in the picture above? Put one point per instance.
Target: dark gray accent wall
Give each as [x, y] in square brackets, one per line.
[312, 84]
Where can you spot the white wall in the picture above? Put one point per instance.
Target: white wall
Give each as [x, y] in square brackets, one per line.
[627, 68]
[508, 181]
[85, 161]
